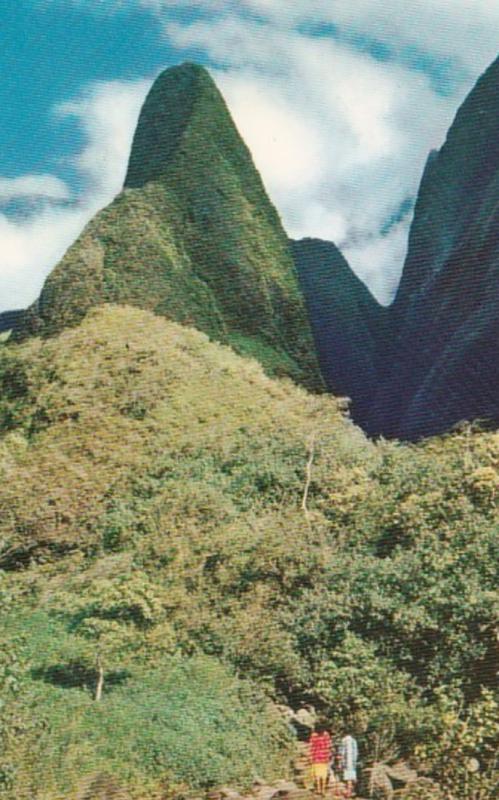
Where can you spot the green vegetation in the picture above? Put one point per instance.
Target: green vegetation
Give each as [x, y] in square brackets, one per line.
[159, 531]
[164, 727]
[193, 237]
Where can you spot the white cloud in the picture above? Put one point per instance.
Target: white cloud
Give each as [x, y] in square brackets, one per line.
[388, 250]
[107, 114]
[340, 138]
[465, 30]
[30, 247]
[33, 186]
[275, 133]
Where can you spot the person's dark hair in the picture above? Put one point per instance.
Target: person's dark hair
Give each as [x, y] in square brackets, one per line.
[321, 726]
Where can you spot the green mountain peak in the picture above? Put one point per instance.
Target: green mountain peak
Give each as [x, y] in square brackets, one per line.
[165, 117]
[192, 237]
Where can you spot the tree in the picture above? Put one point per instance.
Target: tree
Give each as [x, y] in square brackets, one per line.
[461, 749]
[115, 617]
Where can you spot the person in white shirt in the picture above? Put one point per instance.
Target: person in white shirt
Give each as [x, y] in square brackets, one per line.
[349, 753]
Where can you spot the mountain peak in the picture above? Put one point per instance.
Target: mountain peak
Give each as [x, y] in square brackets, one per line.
[194, 237]
[165, 116]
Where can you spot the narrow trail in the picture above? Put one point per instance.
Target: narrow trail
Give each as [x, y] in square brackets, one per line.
[299, 788]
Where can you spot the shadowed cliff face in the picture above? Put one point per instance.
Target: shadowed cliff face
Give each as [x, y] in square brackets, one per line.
[446, 311]
[193, 237]
[351, 330]
[9, 320]
[430, 360]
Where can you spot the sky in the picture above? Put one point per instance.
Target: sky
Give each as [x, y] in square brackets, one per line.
[340, 102]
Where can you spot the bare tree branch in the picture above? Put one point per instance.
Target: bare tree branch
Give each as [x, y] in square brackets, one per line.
[308, 476]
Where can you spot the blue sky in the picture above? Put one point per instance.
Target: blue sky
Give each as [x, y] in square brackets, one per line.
[50, 53]
[339, 102]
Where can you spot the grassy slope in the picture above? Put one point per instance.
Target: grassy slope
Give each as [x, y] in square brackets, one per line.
[135, 445]
[107, 400]
[141, 461]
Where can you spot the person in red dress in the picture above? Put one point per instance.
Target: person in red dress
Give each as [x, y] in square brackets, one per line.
[320, 752]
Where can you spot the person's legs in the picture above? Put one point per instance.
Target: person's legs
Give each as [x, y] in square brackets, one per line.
[320, 771]
[315, 774]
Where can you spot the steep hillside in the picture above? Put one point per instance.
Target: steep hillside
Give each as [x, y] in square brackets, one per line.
[173, 517]
[446, 310]
[352, 332]
[100, 403]
[430, 360]
[459, 183]
[193, 237]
